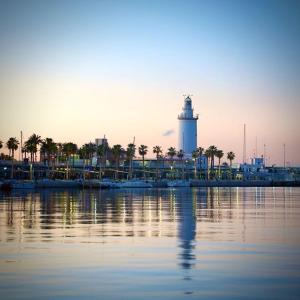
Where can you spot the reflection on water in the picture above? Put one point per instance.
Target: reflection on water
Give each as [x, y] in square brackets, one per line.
[163, 243]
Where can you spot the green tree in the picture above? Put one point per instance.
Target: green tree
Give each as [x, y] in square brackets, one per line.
[101, 152]
[219, 155]
[200, 151]
[49, 149]
[12, 145]
[207, 154]
[171, 153]
[116, 151]
[157, 150]
[69, 149]
[195, 155]
[31, 146]
[1, 145]
[130, 154]
[230, 157]
[143, 150]
[180, 155]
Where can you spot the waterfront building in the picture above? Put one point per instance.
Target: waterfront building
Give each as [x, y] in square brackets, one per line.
[187, 138]
[101, 141]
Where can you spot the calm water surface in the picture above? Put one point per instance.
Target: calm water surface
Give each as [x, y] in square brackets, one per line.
[219, 243]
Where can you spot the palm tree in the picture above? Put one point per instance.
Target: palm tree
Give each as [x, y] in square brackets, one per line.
[31, 145]
[143, 149]
[180, 155]
[1, 145]
[48, 148]
[207, 154]
[195, 155]
[157, 150]
[213, 150]
[101, 152]
[12, 145]
[171, 153]
[230, 157]
[83, 153]
[200, 154]
[130, 153]
[69, 149]
[116, 152]
[219, 155]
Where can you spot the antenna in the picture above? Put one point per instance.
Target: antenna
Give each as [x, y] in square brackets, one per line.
[244, 146]
[265, 160]
[134, 140]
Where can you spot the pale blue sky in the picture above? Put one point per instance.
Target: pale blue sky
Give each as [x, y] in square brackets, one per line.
[240, 59]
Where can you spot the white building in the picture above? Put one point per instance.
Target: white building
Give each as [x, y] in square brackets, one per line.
[187, 139]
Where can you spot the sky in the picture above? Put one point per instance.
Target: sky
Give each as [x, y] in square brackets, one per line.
[78, 70]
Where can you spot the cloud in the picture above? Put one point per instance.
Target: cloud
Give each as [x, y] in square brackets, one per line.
[168, 132]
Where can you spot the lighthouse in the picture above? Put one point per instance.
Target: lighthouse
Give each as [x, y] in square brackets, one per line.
[187, 140]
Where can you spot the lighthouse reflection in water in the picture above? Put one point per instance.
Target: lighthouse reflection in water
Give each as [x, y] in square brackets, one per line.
[150, 243]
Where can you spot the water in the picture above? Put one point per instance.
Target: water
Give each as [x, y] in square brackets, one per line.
[218, 243]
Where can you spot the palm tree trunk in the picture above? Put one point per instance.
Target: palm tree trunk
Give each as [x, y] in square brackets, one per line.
[12, 165]
[144, 167]
[219, 169]
[200, 168]
[100, 170]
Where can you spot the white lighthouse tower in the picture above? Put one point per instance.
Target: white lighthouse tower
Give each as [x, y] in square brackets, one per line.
[187, 140]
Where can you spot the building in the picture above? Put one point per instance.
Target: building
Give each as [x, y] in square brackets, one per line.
[187, 139]
[101, 141]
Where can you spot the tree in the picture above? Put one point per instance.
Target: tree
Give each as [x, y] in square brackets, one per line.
[130, 153]
[116, 152]
[195, 155]
[49, 149]
[1, 145]
[180, 155]
[219, 155]
[12, 145]
[31, 146]
[207, 154]
[230, 157]
[69, 149]
[157, 150]
[200, 151]
[101, 152]
[171, 153]
[143, 150]
[213, 150]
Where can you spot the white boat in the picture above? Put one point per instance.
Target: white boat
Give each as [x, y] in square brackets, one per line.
[178, 183]
[135, 183]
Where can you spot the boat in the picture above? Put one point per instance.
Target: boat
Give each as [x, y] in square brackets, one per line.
[8, 185]
[178, 183]
[23, 184]
[135, 183]
[56, 183]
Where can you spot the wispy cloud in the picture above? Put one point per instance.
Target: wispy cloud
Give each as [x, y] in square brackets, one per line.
[168, 132]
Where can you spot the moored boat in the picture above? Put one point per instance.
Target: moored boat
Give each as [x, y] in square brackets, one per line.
[178, 183]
